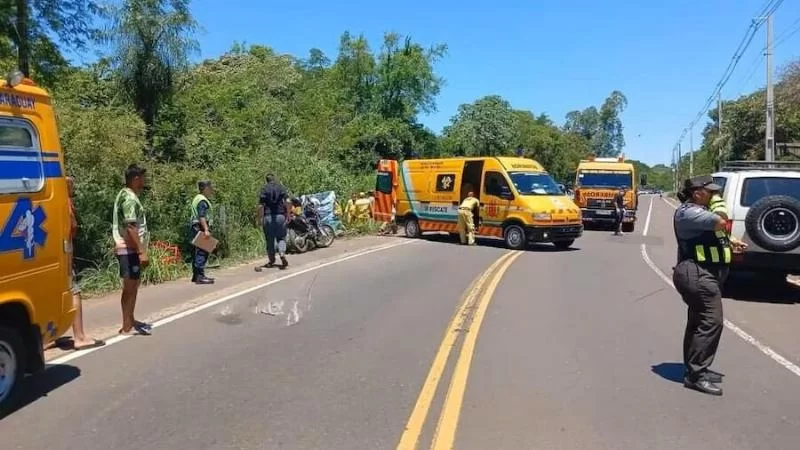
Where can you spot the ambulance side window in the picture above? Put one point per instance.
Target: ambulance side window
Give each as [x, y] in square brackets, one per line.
[21, 166]
[384, 183]
[495, 184]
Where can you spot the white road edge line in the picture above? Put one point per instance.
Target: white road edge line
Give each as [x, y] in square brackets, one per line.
[765, 349]
[647, 221]
[188, 312]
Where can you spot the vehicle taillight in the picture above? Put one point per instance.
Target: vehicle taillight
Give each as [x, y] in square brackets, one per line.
[728, 226]
[577, 194]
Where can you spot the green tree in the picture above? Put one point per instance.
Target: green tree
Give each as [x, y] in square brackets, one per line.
[485, 127]
[558, 152]
[32, 27]
[406, 83]
[585, 124]
[382, 95]
[151, 41]
[603, 128]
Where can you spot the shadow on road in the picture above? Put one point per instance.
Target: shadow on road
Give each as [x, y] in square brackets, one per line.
[671, 371]
[494, 243]
[749, 288]
[39, 385]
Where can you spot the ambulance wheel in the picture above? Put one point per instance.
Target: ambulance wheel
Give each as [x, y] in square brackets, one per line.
[628, 227]
[12, 369]
[514, 235]
[412, 228]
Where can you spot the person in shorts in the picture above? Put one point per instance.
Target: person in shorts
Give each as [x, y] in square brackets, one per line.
[131, 237]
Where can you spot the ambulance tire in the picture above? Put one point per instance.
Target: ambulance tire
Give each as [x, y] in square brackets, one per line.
[412, 228]
[514, 236]
[12, 354]
[628, 227]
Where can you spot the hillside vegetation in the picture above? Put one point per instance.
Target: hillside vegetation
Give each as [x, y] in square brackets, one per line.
[318, 121]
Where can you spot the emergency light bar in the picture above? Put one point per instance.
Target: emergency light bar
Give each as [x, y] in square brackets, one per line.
[593, 158]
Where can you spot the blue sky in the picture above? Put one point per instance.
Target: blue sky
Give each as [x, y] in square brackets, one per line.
[546, 56]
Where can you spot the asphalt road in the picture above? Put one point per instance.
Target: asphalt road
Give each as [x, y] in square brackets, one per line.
[479, 348]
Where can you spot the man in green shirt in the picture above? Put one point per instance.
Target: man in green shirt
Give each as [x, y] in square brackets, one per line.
[131, 238]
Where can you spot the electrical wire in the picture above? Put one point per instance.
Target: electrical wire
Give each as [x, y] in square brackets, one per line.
[768, 9]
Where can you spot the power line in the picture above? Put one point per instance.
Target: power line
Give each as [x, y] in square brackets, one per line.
[790, 31]
[768, 9]
[783, 37]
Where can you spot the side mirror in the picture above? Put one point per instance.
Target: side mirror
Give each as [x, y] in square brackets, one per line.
[505, 193]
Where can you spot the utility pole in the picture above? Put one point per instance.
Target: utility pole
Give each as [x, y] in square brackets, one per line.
[691, 151]
[769, 151]
[719, 129]
[678, 166]
[674, 171]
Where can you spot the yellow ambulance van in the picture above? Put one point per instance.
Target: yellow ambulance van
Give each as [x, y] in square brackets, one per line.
[35, 274]
[519, 201]
[597, 181]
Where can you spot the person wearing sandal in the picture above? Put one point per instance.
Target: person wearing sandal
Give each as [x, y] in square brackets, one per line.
[79, 339]
[131, 237]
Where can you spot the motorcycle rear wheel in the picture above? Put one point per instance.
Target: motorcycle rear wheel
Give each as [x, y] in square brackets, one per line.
[296, 243]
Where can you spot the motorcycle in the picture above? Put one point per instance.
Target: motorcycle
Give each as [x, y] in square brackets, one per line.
[306, 232]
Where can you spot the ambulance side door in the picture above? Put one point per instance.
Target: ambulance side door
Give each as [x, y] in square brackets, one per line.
[496, 198]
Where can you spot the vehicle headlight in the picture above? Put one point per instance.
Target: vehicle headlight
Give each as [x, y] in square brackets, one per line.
[541, 216]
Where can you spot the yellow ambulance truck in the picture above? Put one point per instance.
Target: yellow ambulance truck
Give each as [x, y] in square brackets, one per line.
[519, 201]
[35, 252]
[597, 181]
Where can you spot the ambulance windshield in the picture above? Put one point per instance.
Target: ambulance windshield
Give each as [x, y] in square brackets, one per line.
[535, 183]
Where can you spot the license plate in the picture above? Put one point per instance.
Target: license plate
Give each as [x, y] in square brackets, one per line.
[603, 212]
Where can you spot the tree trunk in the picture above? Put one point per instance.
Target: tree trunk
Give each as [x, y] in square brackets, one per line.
[24, 47]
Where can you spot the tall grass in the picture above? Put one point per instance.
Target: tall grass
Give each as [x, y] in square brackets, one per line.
[105, 276]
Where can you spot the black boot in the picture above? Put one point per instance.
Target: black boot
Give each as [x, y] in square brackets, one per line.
[202, 279]
[703, 385]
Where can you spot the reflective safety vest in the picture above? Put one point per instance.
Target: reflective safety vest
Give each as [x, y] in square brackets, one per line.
[195, 215]
[718, 207]
[707, 249]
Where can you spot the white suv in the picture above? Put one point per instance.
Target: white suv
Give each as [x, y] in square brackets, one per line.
[763, 201]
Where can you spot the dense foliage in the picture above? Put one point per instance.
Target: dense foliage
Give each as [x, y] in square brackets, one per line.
[319, 123]
[744, 124]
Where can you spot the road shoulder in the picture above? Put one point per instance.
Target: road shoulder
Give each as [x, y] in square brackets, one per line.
[101, 315]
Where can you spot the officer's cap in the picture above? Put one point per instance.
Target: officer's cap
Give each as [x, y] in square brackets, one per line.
[701, 182]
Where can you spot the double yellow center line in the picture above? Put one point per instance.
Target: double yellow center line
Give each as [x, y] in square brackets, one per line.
[467, 320]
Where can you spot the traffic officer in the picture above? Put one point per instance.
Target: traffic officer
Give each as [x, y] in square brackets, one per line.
[703, 261]
[467, 212]
[200, 222]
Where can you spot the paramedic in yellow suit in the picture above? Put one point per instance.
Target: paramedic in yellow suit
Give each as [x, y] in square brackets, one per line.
[469, 209]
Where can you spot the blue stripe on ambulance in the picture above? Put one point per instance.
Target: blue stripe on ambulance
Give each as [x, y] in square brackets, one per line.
[15, 169]
[26, 153]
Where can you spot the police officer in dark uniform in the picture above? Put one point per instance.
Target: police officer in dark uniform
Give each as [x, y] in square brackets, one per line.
[704, 257]
[200, 222]
[273, 208]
